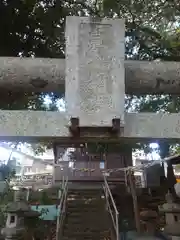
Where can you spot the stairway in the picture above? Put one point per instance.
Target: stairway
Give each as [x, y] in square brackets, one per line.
[86, 216]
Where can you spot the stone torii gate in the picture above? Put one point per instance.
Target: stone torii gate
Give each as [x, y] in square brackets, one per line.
[95, 95]
[94, 92]
[95, 89]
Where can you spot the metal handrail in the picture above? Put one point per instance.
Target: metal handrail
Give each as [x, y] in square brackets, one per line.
[108, 195]
[62, 207]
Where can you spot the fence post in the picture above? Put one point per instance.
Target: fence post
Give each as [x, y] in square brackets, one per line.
[135, 202]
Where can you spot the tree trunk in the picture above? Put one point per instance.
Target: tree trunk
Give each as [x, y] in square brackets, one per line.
[48, 75]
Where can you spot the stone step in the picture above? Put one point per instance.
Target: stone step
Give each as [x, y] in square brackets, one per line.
[84, 198]
[86, 238]
[86, 194]
[79, 202]
[85, 208]
[93, 205]
[100, 219]
[89, 222]
[78, 228]
[76, 202]
[85, 189]
[87, 199]
[85, 214]
[81, 208]
[84, 234]
[86, 202]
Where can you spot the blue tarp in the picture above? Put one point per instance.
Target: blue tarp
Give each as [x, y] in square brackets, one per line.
[49, 212]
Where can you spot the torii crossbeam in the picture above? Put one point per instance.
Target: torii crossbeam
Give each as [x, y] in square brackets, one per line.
[45, 126]
[48, 75]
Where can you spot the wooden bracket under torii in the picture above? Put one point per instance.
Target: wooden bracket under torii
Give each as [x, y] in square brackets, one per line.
[89, 131]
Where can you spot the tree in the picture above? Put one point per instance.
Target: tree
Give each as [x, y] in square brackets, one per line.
[32, 28]
[152, 33]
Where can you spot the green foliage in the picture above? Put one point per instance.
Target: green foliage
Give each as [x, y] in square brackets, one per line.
[149, 25]
[36, 27]
[6, 172]
[40, 148]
